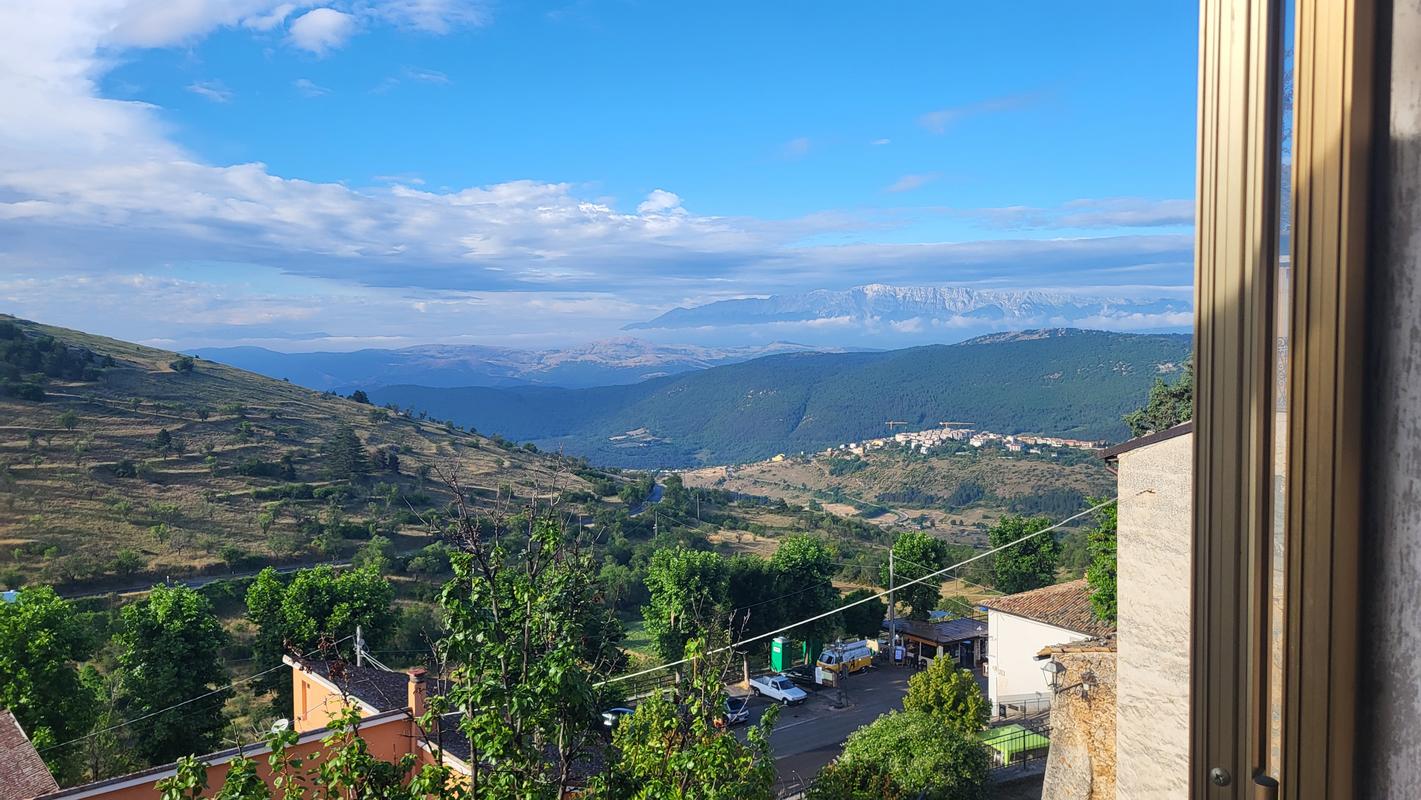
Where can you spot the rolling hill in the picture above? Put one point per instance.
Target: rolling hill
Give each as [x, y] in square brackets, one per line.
[120, 462]
[603, 363]
[1058, 382]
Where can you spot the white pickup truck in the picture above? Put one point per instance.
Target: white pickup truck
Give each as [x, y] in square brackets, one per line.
[778, 687]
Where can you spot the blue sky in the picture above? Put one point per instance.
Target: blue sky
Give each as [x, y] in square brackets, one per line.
[328, 176]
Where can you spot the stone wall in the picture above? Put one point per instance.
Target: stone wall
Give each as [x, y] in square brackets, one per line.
[1081, 763]
[1154, 553]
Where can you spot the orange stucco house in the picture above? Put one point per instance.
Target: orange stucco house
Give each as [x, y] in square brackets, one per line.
[389, 703]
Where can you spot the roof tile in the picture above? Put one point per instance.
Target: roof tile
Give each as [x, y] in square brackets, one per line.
[1065, 605]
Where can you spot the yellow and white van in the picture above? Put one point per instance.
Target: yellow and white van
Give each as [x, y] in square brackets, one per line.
[849, 656]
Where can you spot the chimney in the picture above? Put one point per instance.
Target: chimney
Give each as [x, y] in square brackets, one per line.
[417, 692]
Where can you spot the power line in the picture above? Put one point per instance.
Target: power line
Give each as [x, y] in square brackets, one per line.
[818, 617]
[232, 685]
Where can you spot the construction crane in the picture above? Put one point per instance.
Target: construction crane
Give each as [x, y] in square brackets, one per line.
[894, 423]
[954, 424]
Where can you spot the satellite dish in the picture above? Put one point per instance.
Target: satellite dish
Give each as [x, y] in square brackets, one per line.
[281, 725]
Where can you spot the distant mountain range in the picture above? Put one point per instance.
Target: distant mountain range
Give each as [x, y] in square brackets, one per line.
[1059, 381]
[927, 307]
[604, 363]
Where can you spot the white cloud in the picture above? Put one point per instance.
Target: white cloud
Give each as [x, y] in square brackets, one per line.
[907, 183]
[1107, 212]
[321, 30]
[430, 16]
[939, 121]
[660, 201]
[309, 88]
[92, 186]
[212, 90]
[880, 142]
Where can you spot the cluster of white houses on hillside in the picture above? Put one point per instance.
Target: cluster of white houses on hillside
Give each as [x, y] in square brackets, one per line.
[926, 441]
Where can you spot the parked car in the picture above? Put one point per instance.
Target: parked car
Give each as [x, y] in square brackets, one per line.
[737, 710]
[778, 687]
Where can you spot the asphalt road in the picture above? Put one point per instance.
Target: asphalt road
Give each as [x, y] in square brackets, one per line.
[810, 735]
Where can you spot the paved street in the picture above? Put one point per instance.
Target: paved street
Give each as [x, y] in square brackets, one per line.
[809, 735]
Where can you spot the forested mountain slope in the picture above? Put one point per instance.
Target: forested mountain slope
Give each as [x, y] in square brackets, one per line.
[1060, 382]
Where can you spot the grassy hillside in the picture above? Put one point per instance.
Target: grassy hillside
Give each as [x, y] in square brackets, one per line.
[93, 491]
[957, 494]
[1068, 383]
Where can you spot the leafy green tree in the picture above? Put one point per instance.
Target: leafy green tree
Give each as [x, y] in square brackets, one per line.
[1100, 575]
[804, 570]
[527, 634]
[317, 604]
[182, 364]
[69, 420]
[377, 554]
[688, 592]
[1028, 565]
[360, 396]
[1168, 405]
[163, 440]
[673, 747]
[344, 455]
[907, 754]
[949, 694]
[169, 649]
[41, 641]
[917, 554]
[753, 595]
[127, 561]
[864, 620]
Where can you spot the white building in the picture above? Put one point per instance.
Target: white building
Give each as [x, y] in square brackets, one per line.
[1019, 626]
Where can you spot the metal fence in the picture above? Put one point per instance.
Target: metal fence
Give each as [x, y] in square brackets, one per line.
[1019, 747]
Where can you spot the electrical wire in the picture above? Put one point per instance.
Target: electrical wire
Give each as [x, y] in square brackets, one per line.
[152, 714]
[884, 593]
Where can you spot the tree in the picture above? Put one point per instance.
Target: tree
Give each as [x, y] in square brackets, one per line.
[917, 554]
[345, 455]
[127, 561]
[752, 595]
[377, 554]
[1168, 404]
[675, 747]
[527, 634]
[949, 694]
[318, 603]
[1028, 565]
[804, 570]
[360, 396]
[41, 640]
[69, 420]
[169, 648]
[182, 364]
[1100, 575]
[688, 591]
[906, 754]
[864, 620]
[163, 440]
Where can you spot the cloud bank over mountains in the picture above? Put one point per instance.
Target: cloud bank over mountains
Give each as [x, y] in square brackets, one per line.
[100, 206]
[941, 314]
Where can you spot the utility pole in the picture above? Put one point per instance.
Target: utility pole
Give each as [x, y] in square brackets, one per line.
[892, 614]
[359, 647]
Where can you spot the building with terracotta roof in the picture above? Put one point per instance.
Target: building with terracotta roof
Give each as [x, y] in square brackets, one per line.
[23, 774]
[1019, 626]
